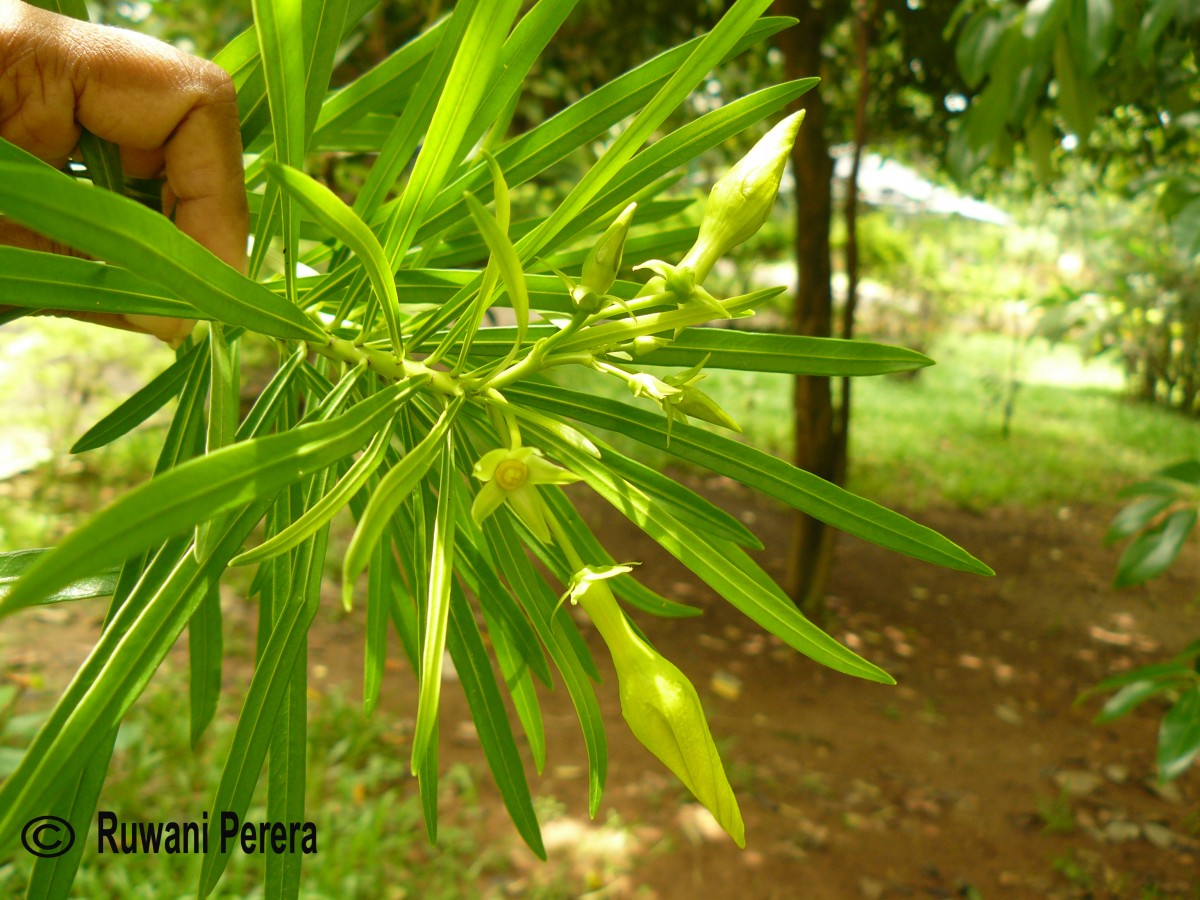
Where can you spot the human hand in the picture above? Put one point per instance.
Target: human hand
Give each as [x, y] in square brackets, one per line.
[172, 115]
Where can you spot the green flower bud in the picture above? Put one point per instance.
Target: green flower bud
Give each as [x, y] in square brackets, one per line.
[659, 704]
[741, 201]
[691, 401]
[694, 402]
[664, 712]
[645, 343]
[604, 261]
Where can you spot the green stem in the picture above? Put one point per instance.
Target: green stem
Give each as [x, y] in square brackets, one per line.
[597, 601]
[386, 364]
[536, 358]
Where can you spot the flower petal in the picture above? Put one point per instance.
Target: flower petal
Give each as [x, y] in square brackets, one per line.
[490, 496]
[543, 472]
[526, 503]
[485, 468]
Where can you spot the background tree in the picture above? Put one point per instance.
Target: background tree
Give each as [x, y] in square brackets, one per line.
[910, 71]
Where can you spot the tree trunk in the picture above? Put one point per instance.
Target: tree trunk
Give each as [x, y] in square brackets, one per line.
[815, 441]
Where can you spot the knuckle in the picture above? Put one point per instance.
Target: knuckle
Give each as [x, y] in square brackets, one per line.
[215, 83]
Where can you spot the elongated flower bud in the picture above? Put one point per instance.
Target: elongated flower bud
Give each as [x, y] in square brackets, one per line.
[664, 712]
[741, 201]
[602, 264]
[662, 707]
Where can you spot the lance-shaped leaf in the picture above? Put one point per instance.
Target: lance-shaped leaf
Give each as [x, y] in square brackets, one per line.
[280, 28]
[800, 489]
[725, 568]
[437, 609]
[148, 244]
[137, 408]
[1152, 552]
[1179, 736]
[491, 717]
[711, 49]
[269, 689]
[555, 632]
[393, 489]
[325, 508]
[465, 86]
[36, 280]
[202, 488]
[789, 353]
[506, 258]
[347, 227]
[100, 584]
[410, 126]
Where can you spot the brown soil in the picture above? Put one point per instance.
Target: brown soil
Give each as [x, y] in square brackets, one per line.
[975, 776]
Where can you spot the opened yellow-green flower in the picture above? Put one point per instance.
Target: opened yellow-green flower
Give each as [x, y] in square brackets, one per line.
[511, 475]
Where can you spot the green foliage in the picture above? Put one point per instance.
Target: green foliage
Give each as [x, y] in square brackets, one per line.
[1159, 522]
[380, 352]
[1140, 306]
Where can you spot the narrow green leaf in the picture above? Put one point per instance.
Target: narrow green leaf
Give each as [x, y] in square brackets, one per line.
[146, 627]
[711, 49]
[476, 569]
[140, 406]
[13, 564]
[724, 567]
[581, 123]
[490, 716]
[268, 403]
[185, 434]
[352, 231]
[520, 687]
[1092, 27]
[280, 29]
[1152, 552]
[1129, 698]
[555, 630]
[686, 505]
[774, 477]
[205, 654]
[200, 489]
[385, 88]
[393, 489]
[412, 123]
[265, 698]
[1136, 516]
[752, 351]
[378, 601]
[507, 261]
[320, 512]
[427, 782]
[437, 607]
[468, 80]
[323, 22]
[224, 398]
[521, 51]
[287, 771]
[36, 280]
[1179, 736]
[53, 876]
[147, 243]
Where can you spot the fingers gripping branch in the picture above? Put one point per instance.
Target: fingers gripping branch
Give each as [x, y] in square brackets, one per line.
[171, 114]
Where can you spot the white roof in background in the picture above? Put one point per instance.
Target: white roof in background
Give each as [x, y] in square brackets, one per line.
[885, 182]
